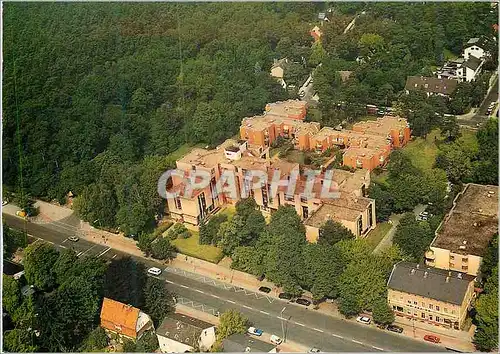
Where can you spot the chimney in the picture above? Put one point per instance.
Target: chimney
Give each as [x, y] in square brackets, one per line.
[425, 274]
[447, 279]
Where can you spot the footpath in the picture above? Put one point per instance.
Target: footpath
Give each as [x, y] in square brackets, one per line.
[458, 340]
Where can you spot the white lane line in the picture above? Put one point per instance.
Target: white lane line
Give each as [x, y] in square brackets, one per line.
[356, 341]
[231, 301]
[300, 324]
[247, 307]
[280, 318]
[318, 330]
[168, 281]
[62, 246]
[199, 291]
[214, 296]
[37, 239]
[88, 249]
[337, 336]
[64, 240]
[184, 286]
[113, 256]
[49, 242]
[264, 312]
[374, 347]
[103, 252]
[78, 255]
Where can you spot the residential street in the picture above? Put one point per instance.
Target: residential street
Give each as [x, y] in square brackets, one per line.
[480, 115]
[304, 326]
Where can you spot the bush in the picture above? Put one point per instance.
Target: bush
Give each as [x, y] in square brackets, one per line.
[178, 231]
[162, 249]
[162, 228]
[382, 313]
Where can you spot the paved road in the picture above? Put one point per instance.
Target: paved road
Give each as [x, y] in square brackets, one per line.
[304, 326]
[480, 117]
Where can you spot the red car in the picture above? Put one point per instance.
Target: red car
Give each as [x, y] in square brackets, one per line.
[432, 338]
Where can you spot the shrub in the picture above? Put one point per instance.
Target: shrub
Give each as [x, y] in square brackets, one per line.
[162, 228]
[178, 231]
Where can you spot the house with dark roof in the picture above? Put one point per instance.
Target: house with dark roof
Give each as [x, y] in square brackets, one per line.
[431, 295]
[240, 343]
[472, 67]
[431, 85]
[179, 333]
[476, 47]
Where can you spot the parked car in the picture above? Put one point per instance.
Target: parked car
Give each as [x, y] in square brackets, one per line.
[381, 326]
[432, 338]
[275, 339]
[154, 271]
[314, 350]
[5, 202]
[73, 238]
[394, 328]
[364, 319]
[255, 331]
[303, 302]
[265, 289]
[285, 296]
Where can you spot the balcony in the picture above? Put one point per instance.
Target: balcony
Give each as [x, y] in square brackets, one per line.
[289, 198]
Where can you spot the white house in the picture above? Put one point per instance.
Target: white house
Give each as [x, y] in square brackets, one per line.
[475, 47]
[180, 334]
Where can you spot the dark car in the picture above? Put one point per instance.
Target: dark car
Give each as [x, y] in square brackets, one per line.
[265, 289]
[303, 302]
[394, 328]
[285, 296]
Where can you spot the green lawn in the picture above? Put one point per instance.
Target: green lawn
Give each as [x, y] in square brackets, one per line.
[448, 55]
[376, 235]
[191, 247]
[381, 178]
[183, 150]
[422, 152]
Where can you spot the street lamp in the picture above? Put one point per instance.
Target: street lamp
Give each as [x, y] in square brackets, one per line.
[282, 325]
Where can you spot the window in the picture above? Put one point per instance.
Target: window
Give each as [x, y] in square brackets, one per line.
[414, 303]
[430, 317]
[437, 308]
[437, 319]
[430, 306]
[465, 259]
[399, 308]
[401, 297]
[445, 310]
[452, 265]
[422, 315]
[452, 257]
[465, 268]
[178, 204]
[393, 307]
[452, 312]
[409, 301]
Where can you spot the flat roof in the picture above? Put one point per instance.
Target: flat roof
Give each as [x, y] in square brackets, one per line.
[471, 223]
[354, 138]
[259, 123]
[346, 208]
[204, 158]
[240, 343]
[382, 126]
[284, 108]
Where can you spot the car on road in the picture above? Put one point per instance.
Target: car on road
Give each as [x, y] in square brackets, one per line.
[314, 350]
[154, 271]
[275, 339]
[265, 289]
[432, 338]
[73, 238]
[394, 328]
[255, 331]
[304, 302]
[5, 202]
[364, 319]
[302, 94]
[285, 296]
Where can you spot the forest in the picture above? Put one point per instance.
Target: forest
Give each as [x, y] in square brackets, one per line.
[99, 97]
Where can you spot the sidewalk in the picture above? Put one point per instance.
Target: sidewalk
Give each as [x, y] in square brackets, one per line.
[287, 347]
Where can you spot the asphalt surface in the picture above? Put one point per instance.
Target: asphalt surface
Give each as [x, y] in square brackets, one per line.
[302, 325]
[480, 117]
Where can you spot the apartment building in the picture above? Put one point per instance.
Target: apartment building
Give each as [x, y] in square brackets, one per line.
[463, 236]
[430, 295]
[195, 204]
[264, 130]
[293, 109]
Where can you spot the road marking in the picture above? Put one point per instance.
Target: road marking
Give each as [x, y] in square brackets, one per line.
[214, 296]
[64, 240]
[231, 301]
[280, 318]
[337, 336]
[318, 330]
[199, 291]
[88, 249]
[184, 286]
[247, 307]
[113, 256]
[374, 347]
[62, 246]
[300, 324]
[168, 281]
[103, 252]
[356, 341]
[264, 312]
[49, 242]
[78, 255]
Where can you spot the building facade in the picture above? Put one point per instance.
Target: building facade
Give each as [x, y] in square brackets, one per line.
[430, 295]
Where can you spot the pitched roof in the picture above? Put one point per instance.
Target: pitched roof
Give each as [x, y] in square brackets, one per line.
[472, 63]
[238, 343]
[478, 42]
[431, 84]
[183, 329]
[119, 317]
[429, 282]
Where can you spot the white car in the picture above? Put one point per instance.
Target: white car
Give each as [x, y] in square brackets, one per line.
[154, 271]
[314, 350]
[73, 238]
[364, 319]
[255, 331]
[276, 340]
